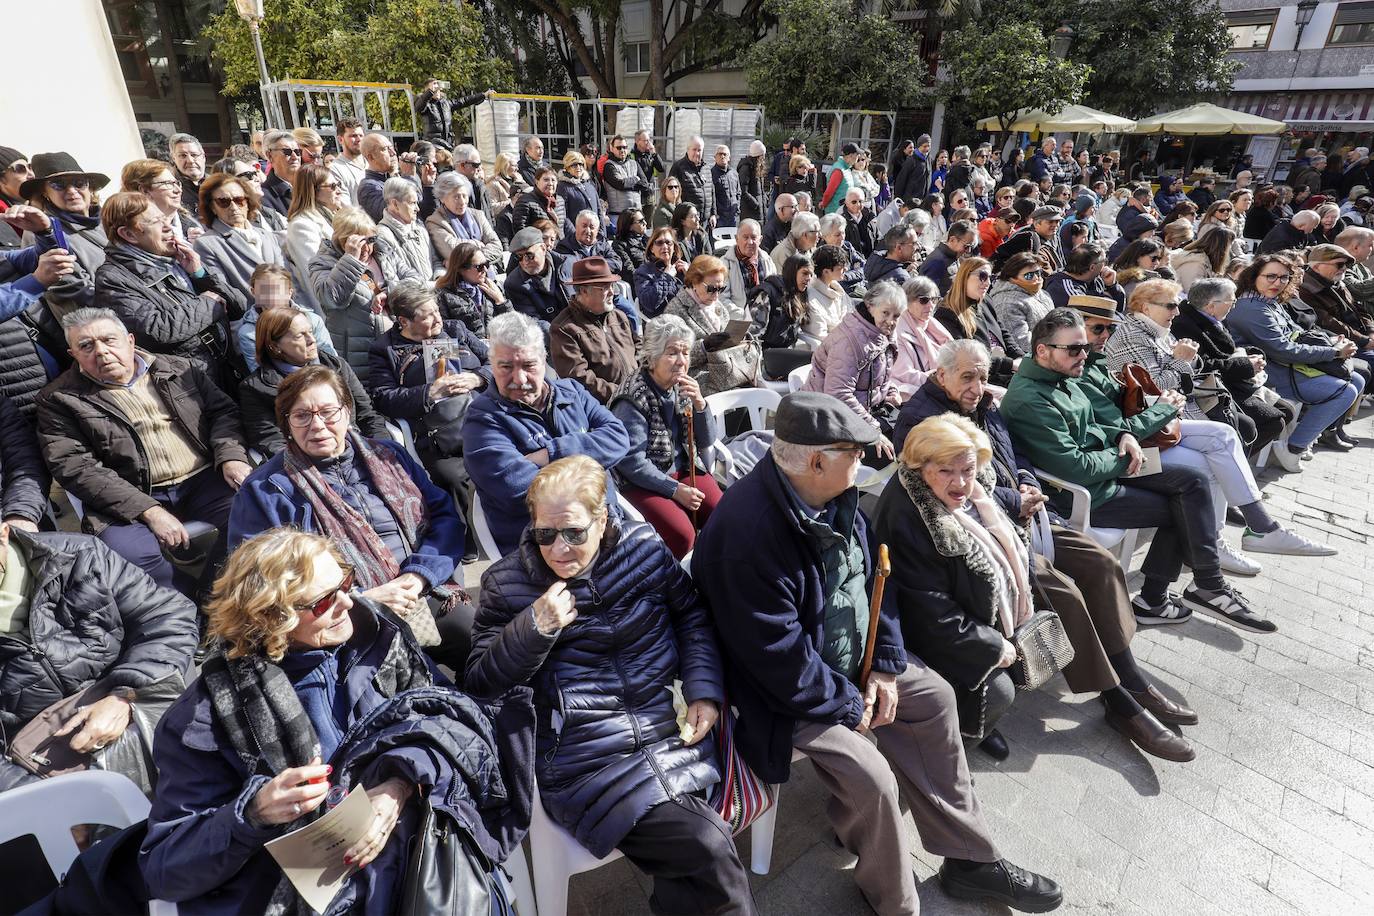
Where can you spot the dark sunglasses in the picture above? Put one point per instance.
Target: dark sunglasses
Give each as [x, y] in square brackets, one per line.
[1032, 275]
[927, 300]
[288, 153]
[21, 168]
[62, 184]
[983, 275]
[716, 289]
[1108, 329]
[1073, 349]
[238, 201]
[482, 266]
[325, 603]
[573, 537]
[250, 175]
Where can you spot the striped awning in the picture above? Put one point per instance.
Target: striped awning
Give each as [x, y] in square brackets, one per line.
[1337, 110]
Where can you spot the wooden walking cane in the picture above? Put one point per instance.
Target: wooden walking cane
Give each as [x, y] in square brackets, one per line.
[875, 606]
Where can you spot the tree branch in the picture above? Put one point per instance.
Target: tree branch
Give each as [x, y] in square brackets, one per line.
[572, 34]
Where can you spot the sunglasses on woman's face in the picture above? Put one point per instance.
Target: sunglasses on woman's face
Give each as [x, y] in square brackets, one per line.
[1031, 275]
[573, 537]
[983, 276]
[325, 603]
[716, 289]
[927, 300]
[483, 265]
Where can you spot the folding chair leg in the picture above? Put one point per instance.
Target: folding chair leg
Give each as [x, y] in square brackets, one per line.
[550, 880]
[519, 870]
[761, 836]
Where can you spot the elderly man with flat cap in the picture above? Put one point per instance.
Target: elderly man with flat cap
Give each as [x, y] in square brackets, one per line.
[1040, 237]
[591, 340]
[534, 286]
[785, 564]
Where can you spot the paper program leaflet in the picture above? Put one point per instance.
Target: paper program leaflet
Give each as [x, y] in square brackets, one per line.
[312, 857]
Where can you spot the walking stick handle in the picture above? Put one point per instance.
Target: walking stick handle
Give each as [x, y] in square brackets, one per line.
[875, 606]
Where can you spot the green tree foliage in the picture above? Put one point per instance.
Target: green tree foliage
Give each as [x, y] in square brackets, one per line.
[1145, 55]
[395, 41]
[827, 55]
[995, 71]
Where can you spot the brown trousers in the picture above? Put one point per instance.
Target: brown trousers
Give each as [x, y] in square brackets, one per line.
[919, 760]
[1087, 588]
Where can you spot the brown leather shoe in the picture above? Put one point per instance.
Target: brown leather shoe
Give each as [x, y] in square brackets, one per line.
[1146, 733]
[1163, 708]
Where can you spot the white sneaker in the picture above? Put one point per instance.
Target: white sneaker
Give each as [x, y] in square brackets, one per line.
[1235, 564]
[1286, 458]
[1307, 454]
[1281, 540]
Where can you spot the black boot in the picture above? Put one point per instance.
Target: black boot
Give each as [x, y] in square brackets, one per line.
[995, 746]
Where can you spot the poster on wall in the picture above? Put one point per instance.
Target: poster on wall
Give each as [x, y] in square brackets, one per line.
[1264, 152]
[155, 136]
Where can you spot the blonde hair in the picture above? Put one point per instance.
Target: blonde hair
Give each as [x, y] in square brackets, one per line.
[942, 438]
[1148, 292]
[351, 221]
[576, 477]
[307, 136]
[798, 162]
[252, 606]
[503, 165]
[572, 157]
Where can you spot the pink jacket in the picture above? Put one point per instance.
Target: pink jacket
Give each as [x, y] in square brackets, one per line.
[853, 363]
[917, 349]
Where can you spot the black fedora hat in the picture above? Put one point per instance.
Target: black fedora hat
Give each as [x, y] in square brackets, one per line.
[58, 165]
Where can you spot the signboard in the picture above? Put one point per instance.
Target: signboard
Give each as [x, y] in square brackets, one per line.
[1265, 152]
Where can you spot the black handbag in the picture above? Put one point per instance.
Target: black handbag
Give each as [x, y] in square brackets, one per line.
[448, 874]
[1042, 650]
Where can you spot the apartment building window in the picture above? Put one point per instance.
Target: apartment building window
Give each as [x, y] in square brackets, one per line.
[1251, 30]
[636, 55]
[1353, 25]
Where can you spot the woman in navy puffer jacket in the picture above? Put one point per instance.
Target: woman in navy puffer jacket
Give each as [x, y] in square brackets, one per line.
[601, 621]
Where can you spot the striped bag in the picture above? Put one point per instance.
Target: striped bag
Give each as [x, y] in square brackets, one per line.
[740, 796]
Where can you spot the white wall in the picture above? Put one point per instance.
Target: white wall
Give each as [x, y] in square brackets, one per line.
[63, 87]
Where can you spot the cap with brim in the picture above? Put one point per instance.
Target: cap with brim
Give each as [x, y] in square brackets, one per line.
[58, 165]
[1326, 253]
[815, 418]
[1046, 213]
[1004, 213]
[1099, 307]
[526, 238]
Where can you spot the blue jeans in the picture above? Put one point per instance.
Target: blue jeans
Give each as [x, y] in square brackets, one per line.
[1326, 398]
[631, 312]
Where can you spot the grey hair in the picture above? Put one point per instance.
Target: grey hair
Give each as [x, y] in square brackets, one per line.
[949, 355]
[463, 151]
[526, 140]
[1310, 216]
[779, 202]
[803, 223]
[902, 232]
[885, 292]
[751, 222]
[1352, 235]
[803, 195]
[178, 139]
[917, 219]
[1210, 289]
[830, 222]
[659, 333]
[696, 138]
[82, 317]
[791, 457]
[270, 139]
[960, 152]
[398, 188]
[409, 296]
[449, 182]
[517, 331]
[592, 213]
[920, 286]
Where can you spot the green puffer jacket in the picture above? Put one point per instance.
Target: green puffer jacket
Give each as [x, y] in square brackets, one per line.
[1053, 421]
[1105, 392]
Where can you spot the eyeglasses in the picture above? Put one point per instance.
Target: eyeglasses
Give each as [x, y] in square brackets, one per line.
[1223, 209]
[672, 187]
[303, 419]
[1155, 259]
[927, 300]
[715, 289]
[1169, 306]
[983, 275]
[1280, 278]
[531, 255]
[290, 152]
[237, 201]
[325, 603]
[168, 184]
[329, 185]
[482, 266]
[1107, 329]
[1073, 349]
[1030, 275]
[21, 168]
[851, 450]
[250, 175]
[62, 184]
[471, 164]
[573, 537]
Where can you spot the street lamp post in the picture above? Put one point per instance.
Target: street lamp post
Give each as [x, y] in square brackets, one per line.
[1305, 10]
[251, 12]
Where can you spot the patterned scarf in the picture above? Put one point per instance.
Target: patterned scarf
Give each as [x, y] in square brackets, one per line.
[349, 529]
[751, 266]
[643, 394]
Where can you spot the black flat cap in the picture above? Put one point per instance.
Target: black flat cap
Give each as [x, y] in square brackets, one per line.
[814, 418]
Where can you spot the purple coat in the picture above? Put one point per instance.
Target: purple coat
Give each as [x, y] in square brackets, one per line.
[854, 363]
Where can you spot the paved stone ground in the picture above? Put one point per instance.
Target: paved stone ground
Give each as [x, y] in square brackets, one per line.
[1276, 814]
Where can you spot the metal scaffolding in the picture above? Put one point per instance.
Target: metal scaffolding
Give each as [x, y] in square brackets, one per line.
[320, 104]
[874, 130]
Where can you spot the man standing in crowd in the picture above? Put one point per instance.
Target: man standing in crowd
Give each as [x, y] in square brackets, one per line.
[626, 185]
[913, 182]
[695, 176]
[523, 421]
[725, 185]
[189, 159]
[777, 166]
[285, 155]
[436, 110]
[468, 163]
[650, 163]
[784, 563]
[146, 443]
[1044, 163]
[531, 159]
[350, 165]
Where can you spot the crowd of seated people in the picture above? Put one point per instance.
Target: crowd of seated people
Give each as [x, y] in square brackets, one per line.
[287, 396]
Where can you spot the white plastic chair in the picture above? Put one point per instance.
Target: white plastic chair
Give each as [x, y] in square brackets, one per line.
[555, 855]
[49, 810]
[1120, 541]
[725, 233]
[485, 541]
[798, 376]
[760, 402]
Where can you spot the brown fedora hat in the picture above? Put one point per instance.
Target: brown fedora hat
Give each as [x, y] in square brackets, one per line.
[592, 270]
[58, 165]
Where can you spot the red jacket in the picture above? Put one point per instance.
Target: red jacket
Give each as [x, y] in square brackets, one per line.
[988, 239]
